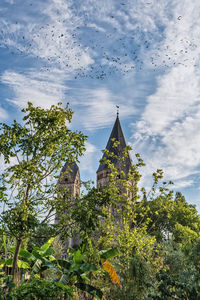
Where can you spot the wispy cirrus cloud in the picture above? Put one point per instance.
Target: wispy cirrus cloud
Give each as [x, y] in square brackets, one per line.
[97, 107]
[3, 114]
[87, 160]
[176, 96]
[39, 88]
[52, 39]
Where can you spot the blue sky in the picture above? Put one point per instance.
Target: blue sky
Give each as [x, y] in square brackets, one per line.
[141, 55]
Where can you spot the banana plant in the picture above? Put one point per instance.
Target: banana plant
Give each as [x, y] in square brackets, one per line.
[72, 273]
[38, 260]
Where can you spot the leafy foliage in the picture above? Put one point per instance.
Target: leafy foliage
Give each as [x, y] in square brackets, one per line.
[134, 244]
[33, 154]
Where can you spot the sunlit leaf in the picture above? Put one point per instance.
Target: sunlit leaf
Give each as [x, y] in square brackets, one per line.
[107, 254]
[23, 264]
[47, 244]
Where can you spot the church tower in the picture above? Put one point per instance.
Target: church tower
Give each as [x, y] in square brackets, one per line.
[103, 171]
[70, 179]
[69, 183]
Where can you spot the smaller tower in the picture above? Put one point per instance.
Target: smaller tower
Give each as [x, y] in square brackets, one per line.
[70, 179]
[69, 184]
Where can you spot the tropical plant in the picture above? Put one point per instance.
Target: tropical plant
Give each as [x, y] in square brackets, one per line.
[72, 275]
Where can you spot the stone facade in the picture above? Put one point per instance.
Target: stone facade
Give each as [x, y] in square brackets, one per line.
[102, 178]
[70, 179]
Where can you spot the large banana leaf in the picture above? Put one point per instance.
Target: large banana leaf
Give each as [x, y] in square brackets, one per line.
[9, 262]
[47, 244]
[107, 254]
[89, 289]
[23, 253]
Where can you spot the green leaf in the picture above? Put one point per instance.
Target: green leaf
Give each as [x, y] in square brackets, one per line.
[9, 262]
[23, 264]
[89, 289]
[11, 285]
[48, 252]
[23, 253]
[87, 268]
[47, 244]
[64, 264]
[12, 249]
[4, 242]
[78, 257]
[51, 258]
[26, 254]
[64, 279]
[64, 287]
[36, 255]
[38, 249]
[107, 254]
[85, 278]
[37, 266]
[50, 265]
[2, 263]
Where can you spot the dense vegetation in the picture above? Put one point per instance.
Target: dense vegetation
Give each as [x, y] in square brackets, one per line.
[133, 244]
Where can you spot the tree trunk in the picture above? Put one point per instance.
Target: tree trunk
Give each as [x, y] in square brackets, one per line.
[15, 267]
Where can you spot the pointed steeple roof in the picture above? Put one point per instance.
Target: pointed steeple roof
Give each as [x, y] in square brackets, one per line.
[117, 135]
[69, 172]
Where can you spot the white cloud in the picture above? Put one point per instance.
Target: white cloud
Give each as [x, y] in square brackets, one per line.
[87, 160]
[39, 88]
[63, 34]
[97, 9]
[180, 45]
[167, 133]
[177, 94]
[3, 114]
[96, 27]
[97, 108]
[50, 37]
[60, 35]
[9, 1]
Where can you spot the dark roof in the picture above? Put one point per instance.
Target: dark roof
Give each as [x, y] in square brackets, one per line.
[118, 135]
[69, 172]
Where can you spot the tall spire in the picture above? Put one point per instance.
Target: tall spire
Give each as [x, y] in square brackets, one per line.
[117, 135]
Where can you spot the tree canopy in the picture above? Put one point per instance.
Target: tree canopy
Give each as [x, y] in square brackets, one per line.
[33, 153]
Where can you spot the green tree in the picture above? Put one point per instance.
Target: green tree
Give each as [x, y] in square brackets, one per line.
[34, 152]
[138, 260]
[170, 217]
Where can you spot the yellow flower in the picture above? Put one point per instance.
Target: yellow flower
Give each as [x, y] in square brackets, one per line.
[111, 271]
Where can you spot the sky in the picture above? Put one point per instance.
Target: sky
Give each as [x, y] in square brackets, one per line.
[142, 55]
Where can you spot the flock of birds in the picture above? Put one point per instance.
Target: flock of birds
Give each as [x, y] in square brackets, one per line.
[69, 45]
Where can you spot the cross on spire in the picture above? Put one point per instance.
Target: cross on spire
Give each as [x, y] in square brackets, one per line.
[117, 110]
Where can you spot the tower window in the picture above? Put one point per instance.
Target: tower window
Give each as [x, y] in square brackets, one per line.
[100, 176]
